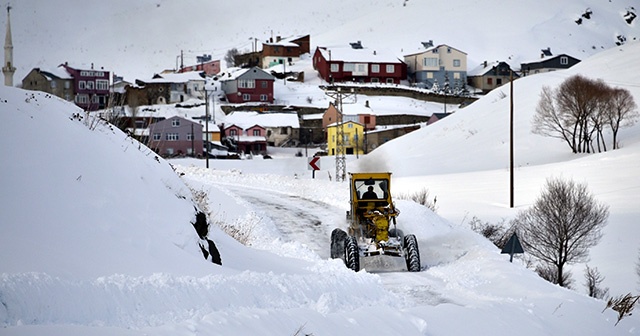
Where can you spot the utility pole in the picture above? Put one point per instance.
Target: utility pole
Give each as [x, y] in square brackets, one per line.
[206, 124]
[511, 200]
[341, 160]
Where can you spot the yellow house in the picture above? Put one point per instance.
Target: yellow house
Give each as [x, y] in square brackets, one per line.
[353, 138]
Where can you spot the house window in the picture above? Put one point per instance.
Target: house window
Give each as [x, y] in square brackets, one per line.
[53, 84]
[490, 81]
[264, 97]
[498, 81]
[429, 75]
[284, 130]
[456, 75]
[246, 97]
[564, 60]
[349, 125]
[375, 80]
[102, 84]
[157, 136]
[82, 99]
[391, 68]
[67, 85]
[456, 63]
[390, 81]
[361, 68]
[172, 137]
[448, 50]
[430, 61]
[435, 50]
[375, 68]
[170, 151]
[94, 99]
[175, 122]
[334, 67]
[256, 132]
[263, 84]
[247, 83]
[350, 67]
[233, 132]
[90, 85]
[82, 85]
[189, 136]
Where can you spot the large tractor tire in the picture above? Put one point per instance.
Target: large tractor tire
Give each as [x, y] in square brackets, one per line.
[351, 254]
[411, 253]
[338, 238]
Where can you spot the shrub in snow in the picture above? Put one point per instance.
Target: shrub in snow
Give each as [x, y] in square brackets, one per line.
[624, 305]
[421, 197]
[593, 283]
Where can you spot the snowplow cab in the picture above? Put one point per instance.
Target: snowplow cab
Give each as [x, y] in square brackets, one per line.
[371, 204]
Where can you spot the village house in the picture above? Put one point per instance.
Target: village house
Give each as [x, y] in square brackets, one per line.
[281, 128]
[358, 64]
[358, 113]
[284, 51]
[176, 136]
[251, 140]
[209, 68]
[437, 64]
[87, 87]
[490, 75]
[248, 85]
[353, 140]
[548, 62]
[167, 89]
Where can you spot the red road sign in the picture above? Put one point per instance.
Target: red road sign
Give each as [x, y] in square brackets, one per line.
[314, 163]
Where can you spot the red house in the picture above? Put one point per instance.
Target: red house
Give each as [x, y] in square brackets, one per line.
[91, 87]
[253, 140]
[358, 64]
[248, 85]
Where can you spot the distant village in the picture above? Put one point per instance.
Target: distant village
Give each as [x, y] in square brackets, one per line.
[174, 111]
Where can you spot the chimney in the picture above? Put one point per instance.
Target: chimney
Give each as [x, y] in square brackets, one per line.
[485, 64]
[91, 65]
[278, 38]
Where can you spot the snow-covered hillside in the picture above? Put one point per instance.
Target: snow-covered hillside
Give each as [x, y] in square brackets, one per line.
[138, 39]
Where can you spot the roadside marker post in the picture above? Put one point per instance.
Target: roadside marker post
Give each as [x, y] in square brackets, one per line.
[314, 164]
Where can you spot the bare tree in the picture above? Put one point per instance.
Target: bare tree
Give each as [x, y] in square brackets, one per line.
[230, 57]
[561, 226]
[579, 109]
[622, 112]
[593, 283]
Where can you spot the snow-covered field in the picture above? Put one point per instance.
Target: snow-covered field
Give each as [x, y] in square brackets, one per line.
[95, 230]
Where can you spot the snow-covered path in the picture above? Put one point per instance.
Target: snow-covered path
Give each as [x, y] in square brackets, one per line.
[298, 219]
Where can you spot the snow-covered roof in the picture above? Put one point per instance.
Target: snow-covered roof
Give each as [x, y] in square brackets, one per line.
[175, 78]
[247, 119]
[422, 50]
[483, 69]
[252, 73]
[57, 72]
[365, 55]
[286, 42]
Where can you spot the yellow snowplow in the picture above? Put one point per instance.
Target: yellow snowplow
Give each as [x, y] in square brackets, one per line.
[372, 228]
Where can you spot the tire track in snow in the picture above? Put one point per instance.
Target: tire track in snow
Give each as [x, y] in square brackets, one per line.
[297, 219]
